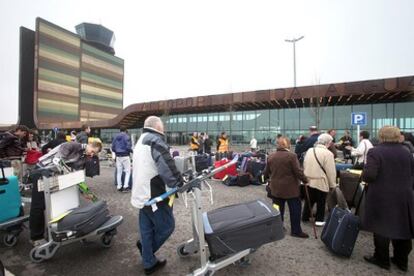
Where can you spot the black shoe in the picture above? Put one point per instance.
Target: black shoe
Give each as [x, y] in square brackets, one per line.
[300, 235]
[139, 245]
[375, 261]
[400, 266]
[120, 189]
[126, 190]
[156, 267]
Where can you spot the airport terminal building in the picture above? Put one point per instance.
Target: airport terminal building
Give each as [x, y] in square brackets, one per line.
[69, 79]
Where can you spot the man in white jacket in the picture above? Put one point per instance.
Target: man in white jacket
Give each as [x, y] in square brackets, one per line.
[154, 172]
[319, 168]
[360, 153]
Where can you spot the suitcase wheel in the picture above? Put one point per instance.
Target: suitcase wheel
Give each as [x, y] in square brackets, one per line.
[181, 252]
[35, 258]
[10, 240]
[107, 240]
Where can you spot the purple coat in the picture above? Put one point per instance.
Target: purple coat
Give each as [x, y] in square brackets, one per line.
[389, 202]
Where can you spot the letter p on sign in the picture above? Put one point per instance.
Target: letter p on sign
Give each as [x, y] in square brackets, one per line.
[359, 119]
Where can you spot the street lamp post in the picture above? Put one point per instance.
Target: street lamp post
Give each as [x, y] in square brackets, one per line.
[293, 41]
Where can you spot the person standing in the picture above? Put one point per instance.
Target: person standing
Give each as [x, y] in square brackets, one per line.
[345, 142]
[12, 147]
[83, 136]
[319, 166]
[154, 171]
[253, 144]
[389, 200]
[122, 147]
[60, 139]
[308, 143]
[223, 143]
[208, 143]
[285, 175]
[360, 153]
[194, 144]
[332, 146]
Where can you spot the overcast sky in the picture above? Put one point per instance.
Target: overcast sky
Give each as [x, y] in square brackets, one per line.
[178, 48]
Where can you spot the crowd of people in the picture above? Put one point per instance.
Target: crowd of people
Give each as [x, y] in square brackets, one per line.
[387, 167]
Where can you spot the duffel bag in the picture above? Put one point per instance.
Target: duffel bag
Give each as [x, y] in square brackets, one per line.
[84, 220]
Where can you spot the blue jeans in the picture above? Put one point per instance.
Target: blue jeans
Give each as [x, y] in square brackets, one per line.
[295, 208]
[155, 228]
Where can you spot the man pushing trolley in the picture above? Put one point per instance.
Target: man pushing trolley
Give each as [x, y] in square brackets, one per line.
[221, 237]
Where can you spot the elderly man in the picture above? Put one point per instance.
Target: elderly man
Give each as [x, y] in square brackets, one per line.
[154, 171]
[319, 168]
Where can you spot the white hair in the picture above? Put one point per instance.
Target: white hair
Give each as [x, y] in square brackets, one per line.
[153, 122]
[325, 139]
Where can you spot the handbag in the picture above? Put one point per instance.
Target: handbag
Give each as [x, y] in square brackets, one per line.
[358, 165]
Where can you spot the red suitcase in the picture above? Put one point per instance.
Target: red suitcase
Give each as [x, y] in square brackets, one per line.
[232, 170]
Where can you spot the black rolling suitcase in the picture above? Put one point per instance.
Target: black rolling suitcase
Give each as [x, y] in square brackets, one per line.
[234, 228]
[341, 231]
[203, 162]
[84, 220]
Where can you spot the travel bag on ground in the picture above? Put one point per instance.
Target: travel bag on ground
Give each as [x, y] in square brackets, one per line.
[230, 180]
[243, 179]
[341, 231]
[234, 228]
[84, 220]
[232, 170]
[203, 162]
[349, 183]
[10, 199]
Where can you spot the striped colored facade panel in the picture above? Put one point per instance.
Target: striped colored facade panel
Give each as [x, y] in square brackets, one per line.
[101, 87]
[58, 70]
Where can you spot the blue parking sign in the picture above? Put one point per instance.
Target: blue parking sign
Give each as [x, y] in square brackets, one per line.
[359, 118]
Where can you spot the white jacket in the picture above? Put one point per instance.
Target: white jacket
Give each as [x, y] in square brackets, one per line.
[317, 178]
[154, 170]
[362, 150]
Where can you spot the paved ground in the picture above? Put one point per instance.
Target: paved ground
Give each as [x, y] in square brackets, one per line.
[290, 256]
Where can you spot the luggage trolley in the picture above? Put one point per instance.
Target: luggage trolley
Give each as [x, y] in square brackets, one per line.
[203, 229]
[12, 218]
[61, 198]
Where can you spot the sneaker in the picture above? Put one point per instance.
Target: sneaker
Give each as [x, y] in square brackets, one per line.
[375, 261]
[156, 267]
[399, 265]
[320, 223]
[126, 190]
[120, 189]
[37, 243]
[300, 235]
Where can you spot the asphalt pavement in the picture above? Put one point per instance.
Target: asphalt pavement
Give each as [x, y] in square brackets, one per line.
[290, 256]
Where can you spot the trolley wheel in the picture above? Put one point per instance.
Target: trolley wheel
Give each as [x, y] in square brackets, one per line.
[181, 252]
[33, 256]
[9, 240]
[107, 240]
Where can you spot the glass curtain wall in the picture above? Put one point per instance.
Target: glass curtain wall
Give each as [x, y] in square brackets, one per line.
[266, 124]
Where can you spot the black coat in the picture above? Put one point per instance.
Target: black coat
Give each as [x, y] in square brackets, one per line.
[389, 204]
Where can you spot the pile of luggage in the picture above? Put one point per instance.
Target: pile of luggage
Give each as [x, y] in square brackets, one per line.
[248, 171]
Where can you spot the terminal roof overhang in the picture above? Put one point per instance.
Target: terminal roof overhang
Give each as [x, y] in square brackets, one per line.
[398, 89]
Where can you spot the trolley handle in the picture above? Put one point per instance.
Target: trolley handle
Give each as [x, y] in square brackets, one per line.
[194, 183]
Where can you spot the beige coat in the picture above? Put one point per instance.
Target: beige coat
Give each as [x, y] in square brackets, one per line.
[317, 178]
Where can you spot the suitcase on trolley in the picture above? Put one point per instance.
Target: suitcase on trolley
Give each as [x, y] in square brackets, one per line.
[234, 228]
[84, 220]
[10, 199]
